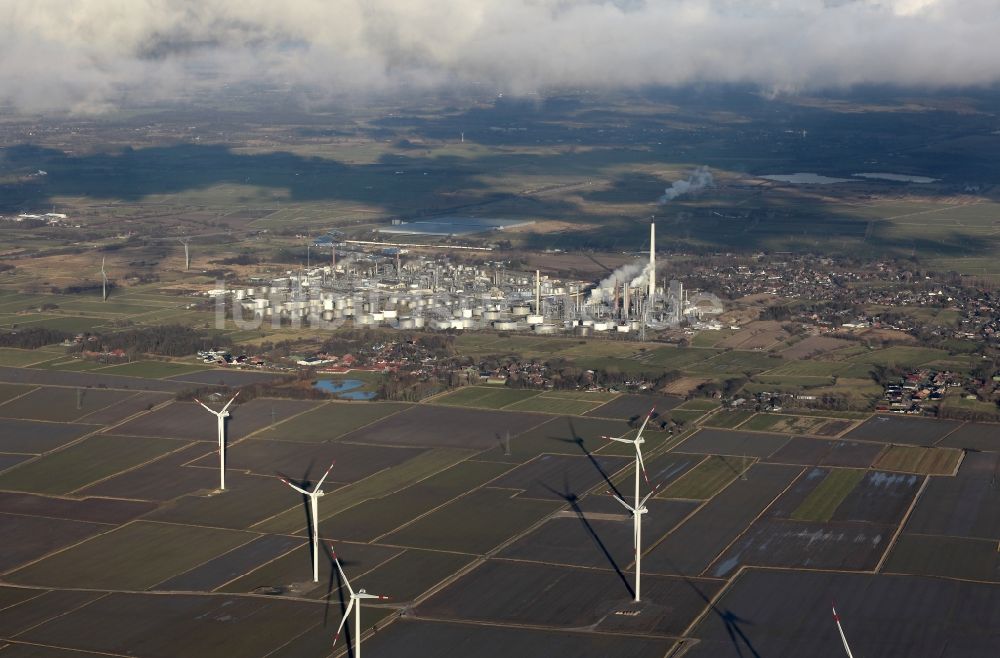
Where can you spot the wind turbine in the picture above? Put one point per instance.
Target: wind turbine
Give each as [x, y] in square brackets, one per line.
[840, 628]
[314, 496]
[221, 415]
[187, 253]
[104, 282]
[355, 603]
[638, 508]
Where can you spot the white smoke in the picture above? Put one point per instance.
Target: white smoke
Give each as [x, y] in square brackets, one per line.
[698, 180]
[635, 274]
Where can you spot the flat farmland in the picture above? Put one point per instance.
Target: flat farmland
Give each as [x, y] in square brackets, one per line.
[907, 431]
[86, 379]
[945, 557]
[231, 565]
[735, 362]
[727, 419]
[119, 411]
[783, 423]
[814, 346]
[9, 460]
[485, 397]
[424, 467]
[24, 608]
[134, 623]
[786, 613]
[587, 537]
[829, 493]
[10, 356]
[880, 497]
[675, 358]
[462, 525]
[975, 436]
[188, 421]
[61, 404]
[306, 462]
[83, 463]
[967, 505]
[506, 592]
[409, 574]
[692, 547]
[556, 477]
[330, 421]
[552, 404]
[222, 377]
[407, 637]
[849, 546]
[36, 437]
[154, 369]
[707, 478]
[97, 510]
[134, 556]
[10, 391]
[230, 509]
[632, 407]
[568, 435]
[160, 480]
[822, 452]
[733, 442]
[29, 538]
[292, 572]
[378, 516]
[438, 426]
[919, 459]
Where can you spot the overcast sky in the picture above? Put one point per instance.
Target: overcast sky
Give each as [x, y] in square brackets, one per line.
[89, 55]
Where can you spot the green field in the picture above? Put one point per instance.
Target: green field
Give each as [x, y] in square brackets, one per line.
[735, 362]
[475, 523]
[331, 421]
[788, 424]
[485, 397]
[707, 478]
[920, 460]
[135, 557]
[84, 463]
[824, 500]
[152, 369]
[422, 470]
[19, 358]
[727, 419]
[554, 405]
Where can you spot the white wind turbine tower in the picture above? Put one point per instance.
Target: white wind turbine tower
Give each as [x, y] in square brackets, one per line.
[104, 283]
[840, 628]
[639, 507]
[221, 415]
[314, 496]
[355, 603]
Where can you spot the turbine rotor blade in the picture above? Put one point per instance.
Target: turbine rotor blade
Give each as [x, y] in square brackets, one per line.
[843, 638]
[297, 488]
[320, 483]
[642, 464]
[623, 503]
[336, 561]
[207, 408]
[347, 615]
[642, 429]
[231, 401]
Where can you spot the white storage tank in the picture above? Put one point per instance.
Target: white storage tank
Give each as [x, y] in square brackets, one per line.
[389, 315]
[520, 310]
[407, 323]
[545, 328]
[505, 325]
[535, 319]
[600, 326]
[418, 323]
[491, 316]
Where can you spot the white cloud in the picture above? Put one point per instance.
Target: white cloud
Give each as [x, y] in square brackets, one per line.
[86, 54]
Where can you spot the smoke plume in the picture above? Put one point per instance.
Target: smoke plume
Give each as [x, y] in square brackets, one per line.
[699, 179]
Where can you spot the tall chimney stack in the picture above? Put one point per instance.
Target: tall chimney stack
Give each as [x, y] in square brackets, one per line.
[538, 292]
[652, 261]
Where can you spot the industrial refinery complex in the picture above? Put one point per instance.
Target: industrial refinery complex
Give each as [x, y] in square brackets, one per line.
[399, 289]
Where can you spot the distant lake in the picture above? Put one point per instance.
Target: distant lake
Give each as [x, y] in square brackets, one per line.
[803, 178]
[344, 388]
[899, 178]
[452, 225]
